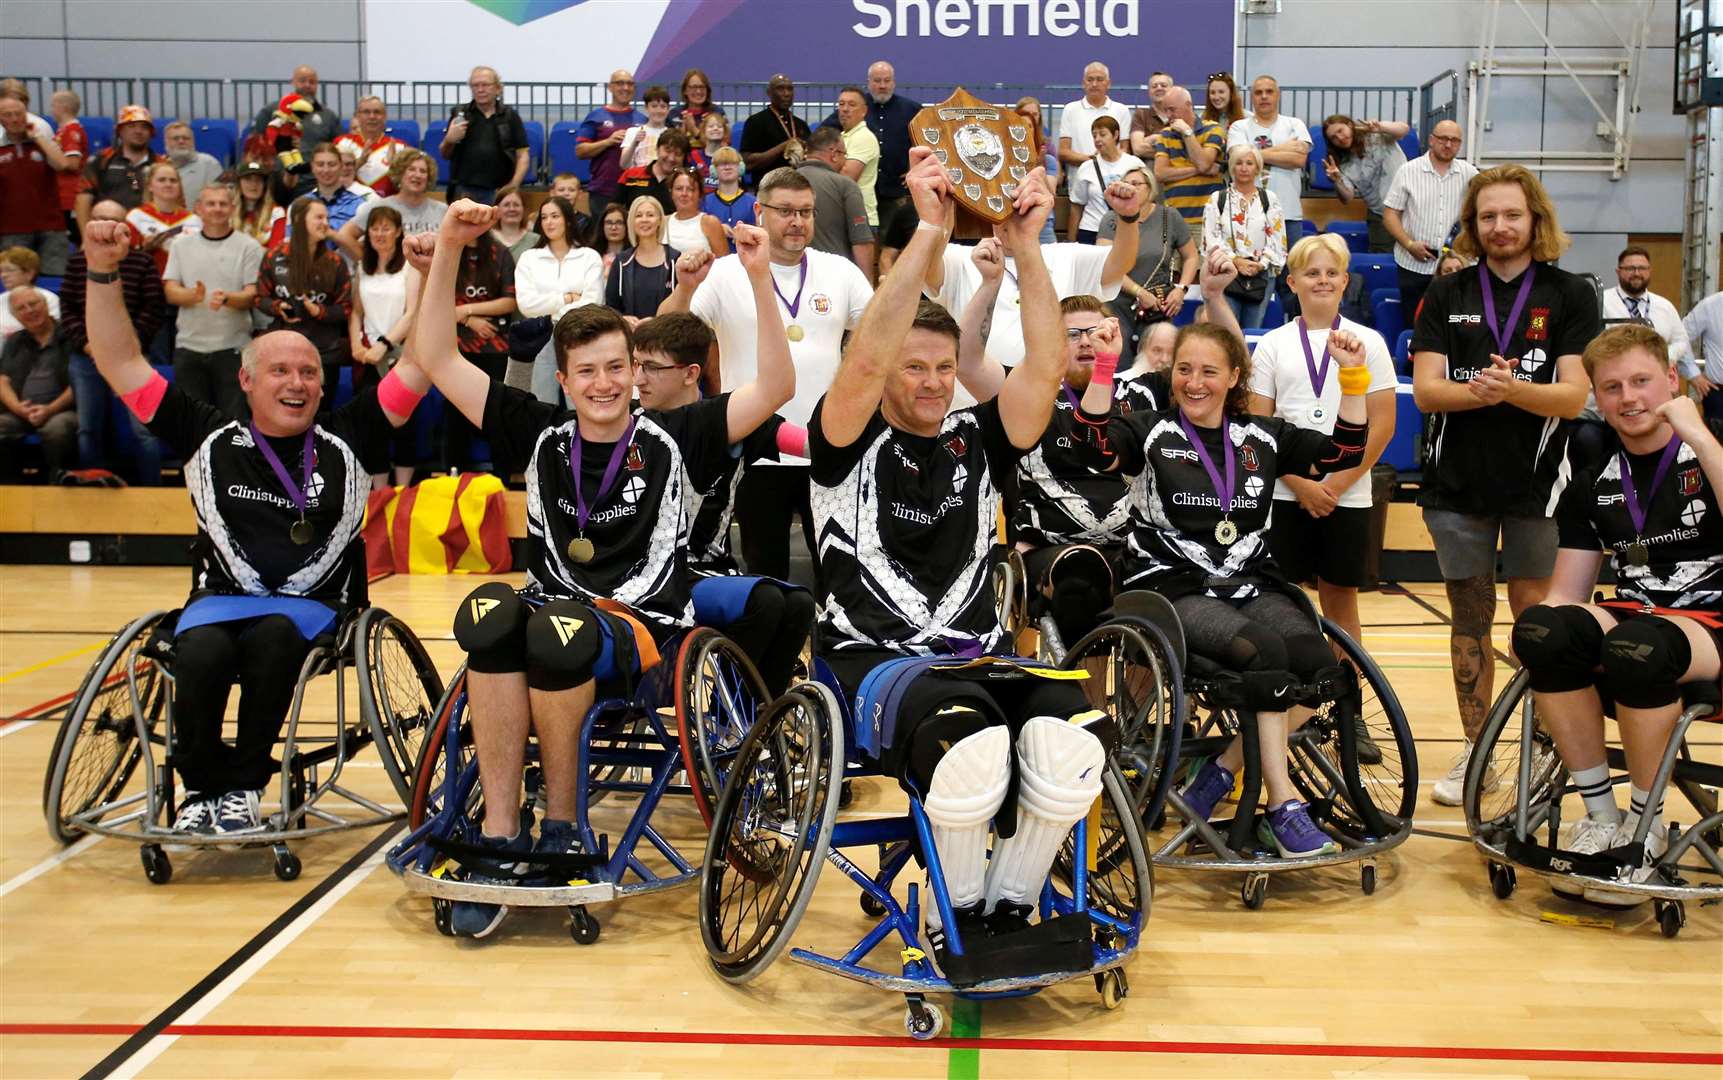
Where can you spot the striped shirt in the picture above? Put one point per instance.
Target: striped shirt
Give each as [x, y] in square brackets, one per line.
[1429, 205]
[140, 284]
[1190, 195]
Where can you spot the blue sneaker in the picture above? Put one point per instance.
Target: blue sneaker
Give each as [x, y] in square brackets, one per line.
[1290, 830]
[1213, 782]
[556, 838]
[470, 918]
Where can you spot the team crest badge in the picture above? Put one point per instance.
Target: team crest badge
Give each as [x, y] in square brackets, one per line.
[957, 446]
[1248, 453]
[635, 461]
[1690, 481]
[1539, 328]
[821, 303]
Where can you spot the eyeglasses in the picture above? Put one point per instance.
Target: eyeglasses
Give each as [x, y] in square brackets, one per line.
[795, 213]
[1445, 138]
[659, 369]
[1078, 333]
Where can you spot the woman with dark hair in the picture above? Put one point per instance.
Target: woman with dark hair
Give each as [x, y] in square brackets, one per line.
[304, 287]
[612, 238]
[696, 104]
[385, 300]
[1223, 105]
[1203, 474]
[1030, 109]
[511, 229]
[1363, 156]
[552, 279]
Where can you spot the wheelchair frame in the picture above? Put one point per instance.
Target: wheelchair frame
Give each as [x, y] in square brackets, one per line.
[146, 817]
[1510, 844]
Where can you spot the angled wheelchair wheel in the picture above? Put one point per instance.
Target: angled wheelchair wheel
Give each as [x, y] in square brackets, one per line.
[1496, 791]
[719, 696]
[1120, 881]
[399, 690]
[1134, 677]
[771, 831]
[96, 749]
[429, 773]
[1011, 594]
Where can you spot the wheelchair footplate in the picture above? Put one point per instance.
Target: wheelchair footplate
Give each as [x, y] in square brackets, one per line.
[548, 880]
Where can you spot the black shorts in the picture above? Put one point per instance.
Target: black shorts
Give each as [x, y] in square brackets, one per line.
[1331, 548]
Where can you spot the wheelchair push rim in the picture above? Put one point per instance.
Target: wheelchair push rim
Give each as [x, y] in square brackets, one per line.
[1148, 703]
[399, 692]
[719, 696]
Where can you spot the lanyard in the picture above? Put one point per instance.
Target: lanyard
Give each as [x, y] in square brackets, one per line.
[294, 492]
[1223, 490]
[1504, 333]
[1318, 375]
[1636, 512]
[582, 512]
[793, 306]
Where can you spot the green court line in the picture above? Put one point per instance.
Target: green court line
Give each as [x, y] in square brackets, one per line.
[963, 1063]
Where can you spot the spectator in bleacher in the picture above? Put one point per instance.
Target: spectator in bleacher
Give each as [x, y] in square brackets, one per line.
[117, 173]
[1422, 207]
[1499, 374]
[75, 145]
[304, 286]
[696, 105]
[319, 124]
[729, 202]
[331, 190]
[1704, 374]
[1155, 350]
[612, 236]
[484, 302]
[1041, 150]
[1188, 156]
[1153, 290]
[349, 155]
[690, 228]
[840, 212]
[1284, 143]
[888, 117]
[257, 212]
[15, 88]
[774, 136]
[1089, 189]
[640, 144]
[645, 272]
[1244, 220]
[654, 179]
[385, 301]
[195, 167]
[18, 267]
[211, 276]
[485, 143]
[412, 173]
[30, 164]
[1077, 120]
[374, 146]
[555, 277]
[141, 288]
[163, 217]
[1363, 158]
[35, 388]
[1632, 298]
[1224, 105]
[1147, 121]
[599, 140]
[714, 135]
[567, 186]
[861, 149]
[511, 228]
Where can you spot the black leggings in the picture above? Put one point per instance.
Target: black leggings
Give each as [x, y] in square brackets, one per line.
[1268, 632]
[772, 630]
[263, 655]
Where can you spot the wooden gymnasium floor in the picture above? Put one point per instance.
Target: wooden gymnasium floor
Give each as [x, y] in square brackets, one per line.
[228, 972]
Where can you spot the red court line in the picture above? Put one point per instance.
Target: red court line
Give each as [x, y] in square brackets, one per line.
[40, 707]
[723, 1038]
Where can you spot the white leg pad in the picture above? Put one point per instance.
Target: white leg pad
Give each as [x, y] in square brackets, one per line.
[1059, 766]
[967, 789]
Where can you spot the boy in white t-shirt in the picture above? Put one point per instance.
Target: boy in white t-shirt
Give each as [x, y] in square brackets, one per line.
[640, 147]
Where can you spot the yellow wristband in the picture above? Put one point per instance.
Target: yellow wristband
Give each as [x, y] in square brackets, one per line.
[1354, 380]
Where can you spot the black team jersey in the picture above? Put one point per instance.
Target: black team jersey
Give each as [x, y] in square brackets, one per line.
[1062, 498]
[712, 506]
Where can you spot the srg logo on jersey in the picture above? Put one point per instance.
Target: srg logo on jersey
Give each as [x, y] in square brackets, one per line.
[1177, 453]
[821, 303]
[242, 439]
[904, 459]
[1610, 500]
[1473, 319]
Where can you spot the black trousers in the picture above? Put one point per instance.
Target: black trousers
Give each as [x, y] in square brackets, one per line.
[772, 629]
[213, 378]
[1413, 285]
[766, 500]
[263, 655]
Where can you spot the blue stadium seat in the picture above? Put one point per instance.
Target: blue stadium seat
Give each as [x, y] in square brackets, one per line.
[1311, 228]
[1276, 314]
[560, 150]
[1251, 337]
[1403, 353]
[1188, 313]
[100, 129]
[48, 283]
[1409, 142]
[1313, 164]
[1355, 233]
[1402, 450]
[1390, 320]
[405, 130]
[535, 150]
[344, 386]
[1380, 293]
[1377, 269]
[218, 137]
[156, 146]
[434, 132]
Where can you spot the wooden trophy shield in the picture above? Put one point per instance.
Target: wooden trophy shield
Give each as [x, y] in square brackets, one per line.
[985, 150]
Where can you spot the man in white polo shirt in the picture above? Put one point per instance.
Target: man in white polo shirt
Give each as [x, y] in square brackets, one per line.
[1076, 125]
[821, 297]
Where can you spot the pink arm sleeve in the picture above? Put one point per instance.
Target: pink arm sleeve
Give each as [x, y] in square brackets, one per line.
[144, 401]
[793, 439]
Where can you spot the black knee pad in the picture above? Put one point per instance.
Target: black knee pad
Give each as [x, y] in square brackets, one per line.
[562, 645]
[490, 625]
[800, 612]
[1257, 648]
[1269, 691]
[1308, 654]
[1560, 647]
[959, 715]
[1643, 661]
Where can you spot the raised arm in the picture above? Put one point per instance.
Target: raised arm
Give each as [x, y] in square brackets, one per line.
[874, 347]
[691, 269]
[113, 345]
[1122, 255]
[1219, 271]
[433, 338]
[1026, 399]
[774, 383]
[981, 376]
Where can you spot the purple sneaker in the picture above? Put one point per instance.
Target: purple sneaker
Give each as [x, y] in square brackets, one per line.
[1291, 830]
[1211, 785]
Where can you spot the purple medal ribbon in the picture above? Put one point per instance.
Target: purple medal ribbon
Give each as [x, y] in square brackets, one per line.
[1635, 512]
[296, 493]
[1318, 375]
[582, 512]
[1504, 334]
[1071, 396]
[792, 306]
[1224, 491]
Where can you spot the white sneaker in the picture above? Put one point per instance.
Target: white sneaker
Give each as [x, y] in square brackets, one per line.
[1587, 836]
[1450, 790]
[1656, 845]
[196, 814]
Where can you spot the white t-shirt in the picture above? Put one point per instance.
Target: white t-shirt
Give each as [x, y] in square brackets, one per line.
[1078, 118]
[1278, 370]
[229, 264]
[1091, 195]
[833, 297]
[1287, 184]
[384, 299]
[1075, 268]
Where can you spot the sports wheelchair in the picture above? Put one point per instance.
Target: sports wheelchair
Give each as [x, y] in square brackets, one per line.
[776, 825]
[1517, 789]
[122, 717]
[1183, 708]
[675, 724]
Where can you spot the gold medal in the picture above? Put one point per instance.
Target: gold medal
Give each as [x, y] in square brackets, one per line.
[794, 332]
[1226, 532]
[1638, 554]
[580, 549]
[301, 532]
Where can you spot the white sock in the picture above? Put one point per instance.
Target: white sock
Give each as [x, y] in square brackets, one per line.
[1599, 796]
[1059, 767]
[1639, 799]
[965, 793]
